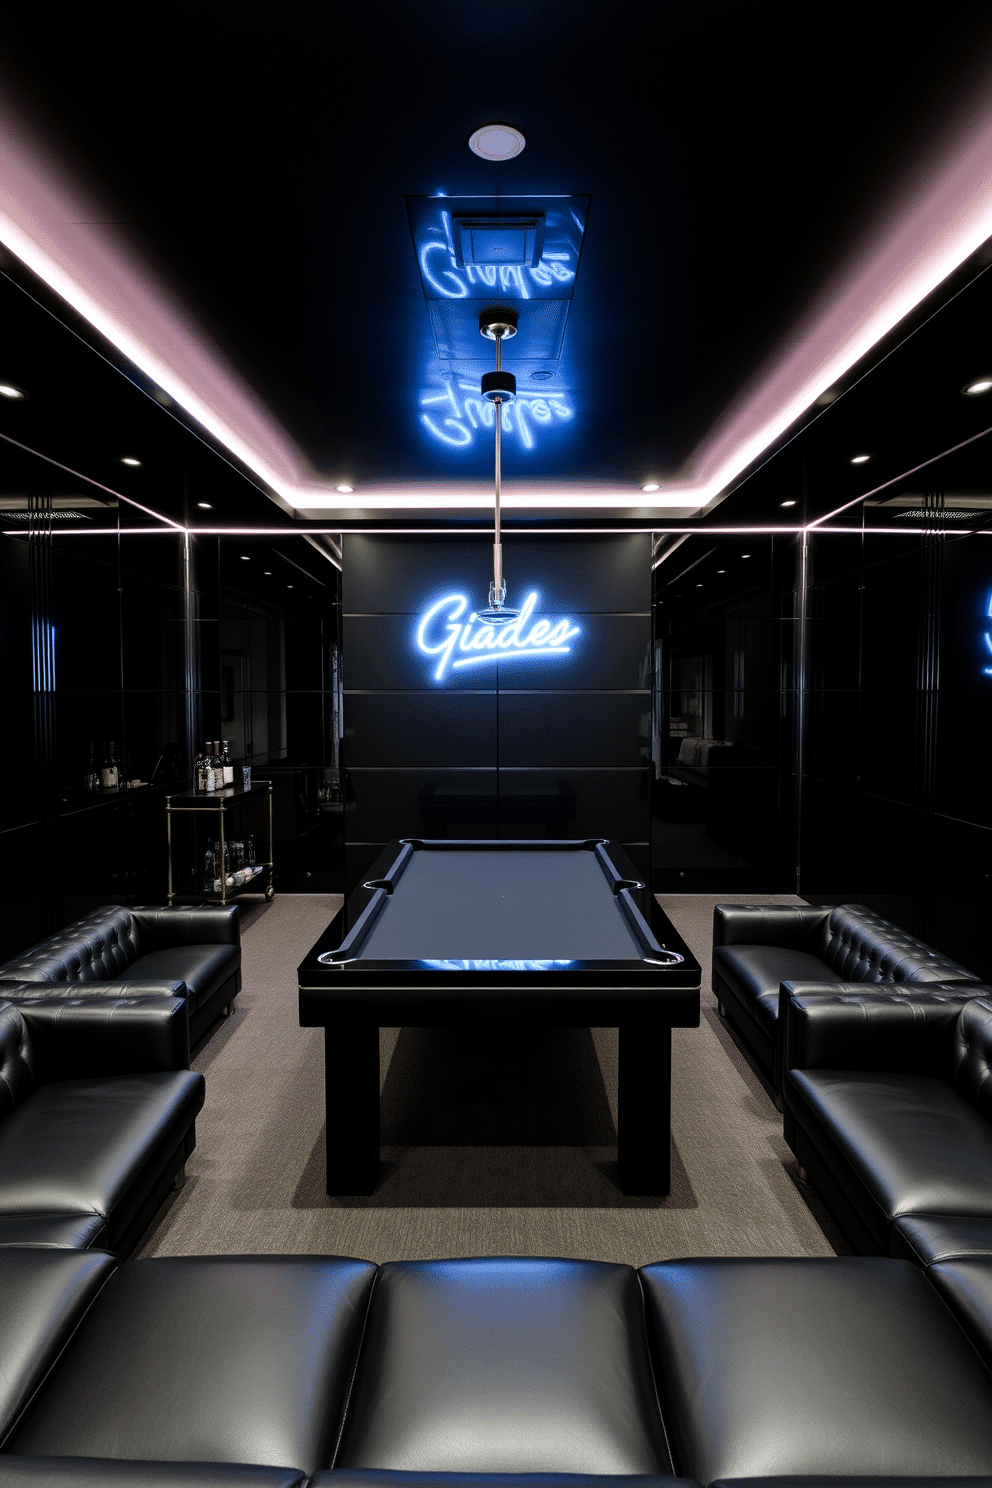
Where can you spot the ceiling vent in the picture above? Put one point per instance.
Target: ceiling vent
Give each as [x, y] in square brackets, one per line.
[498, 239]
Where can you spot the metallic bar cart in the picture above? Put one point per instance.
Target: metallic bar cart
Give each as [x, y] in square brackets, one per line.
[220, 804]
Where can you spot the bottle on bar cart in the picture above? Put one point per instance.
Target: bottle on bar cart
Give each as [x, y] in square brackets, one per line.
[209, 773]
[228, 767]
[109, 772]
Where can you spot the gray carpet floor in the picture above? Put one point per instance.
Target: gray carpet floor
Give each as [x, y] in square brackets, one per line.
[497, 1147]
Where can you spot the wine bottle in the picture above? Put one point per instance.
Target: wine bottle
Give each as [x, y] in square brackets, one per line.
[109, 773]
[228, 765]
[210, 777]
[91, 778]
[199, 774]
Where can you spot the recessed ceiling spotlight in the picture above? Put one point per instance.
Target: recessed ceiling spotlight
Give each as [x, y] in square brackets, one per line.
[245, 558]
[266, 573]
[981, 386]
[860, 459]
[345, 490]
[745, 555]
[787, 503]
[721, 570]
[289, 586]
[129, 460]
[496, 142]
[699, 586]
[207, 505]
[651, 486]
[8, 390]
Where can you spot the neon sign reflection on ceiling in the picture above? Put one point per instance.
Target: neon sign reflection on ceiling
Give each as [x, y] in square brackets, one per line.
[459, 412]
[987, 637]
[445, 277]
[473, 643]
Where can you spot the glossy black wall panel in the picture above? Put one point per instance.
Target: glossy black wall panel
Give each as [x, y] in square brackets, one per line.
[566, 735]
[426, 729]
[590, 803]
[574, 730]
[411, 803]
[399, 575]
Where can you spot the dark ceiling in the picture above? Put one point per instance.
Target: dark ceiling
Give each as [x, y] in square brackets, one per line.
[264, 157]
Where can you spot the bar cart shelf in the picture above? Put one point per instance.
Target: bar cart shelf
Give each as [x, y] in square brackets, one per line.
[220, 804]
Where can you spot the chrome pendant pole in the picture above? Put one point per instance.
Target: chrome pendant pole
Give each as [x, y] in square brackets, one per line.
[498, 387]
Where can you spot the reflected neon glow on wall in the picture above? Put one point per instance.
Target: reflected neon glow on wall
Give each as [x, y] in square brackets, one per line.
[987, 637]
[459, 413]
[442, 633]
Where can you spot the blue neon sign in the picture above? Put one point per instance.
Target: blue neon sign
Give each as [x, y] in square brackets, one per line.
[458, 412]
[472, 643]
[987, 637]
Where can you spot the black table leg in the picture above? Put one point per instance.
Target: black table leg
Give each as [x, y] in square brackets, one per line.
[644, 1109]
[351, 1103]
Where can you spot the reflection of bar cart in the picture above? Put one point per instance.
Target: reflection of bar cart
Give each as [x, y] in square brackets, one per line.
[225, 882]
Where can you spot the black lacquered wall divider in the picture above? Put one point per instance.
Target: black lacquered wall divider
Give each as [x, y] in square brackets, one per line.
[536, 746]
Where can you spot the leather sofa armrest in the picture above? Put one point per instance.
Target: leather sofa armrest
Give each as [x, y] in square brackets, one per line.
[79, 1037]
[160, 926]
[19, 992]
[796, 926]
[843, 1025]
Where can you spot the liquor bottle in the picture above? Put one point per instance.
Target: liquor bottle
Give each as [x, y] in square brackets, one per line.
[228, 765]
[199, 774]
[210, 778]
[109, 774]
[91, 777]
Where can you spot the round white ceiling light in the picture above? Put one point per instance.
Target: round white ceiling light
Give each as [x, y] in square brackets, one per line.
[496, 142]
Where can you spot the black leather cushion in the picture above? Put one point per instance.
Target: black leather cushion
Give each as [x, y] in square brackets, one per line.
[94, 1146]
[68, 1037]
[846, 1365]
[910, 1140]
[966, 1287]
[96, 948]
[370, 1478]
[65, 1232]
[17, 1080]
[924, 1238]
[84, 1472]
[43, 1294]
[505, 1366]
[861, 946]
[754, 973]
[862, 1481]
[208, 1359]
[204, 968]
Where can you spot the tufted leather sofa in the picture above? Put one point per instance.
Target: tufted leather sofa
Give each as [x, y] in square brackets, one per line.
[757, 947]
[97, 1112]
[889, 1110]
[193, 953]
[490, 1373]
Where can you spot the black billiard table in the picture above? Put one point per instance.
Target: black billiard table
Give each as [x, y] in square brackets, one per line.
[554, 933]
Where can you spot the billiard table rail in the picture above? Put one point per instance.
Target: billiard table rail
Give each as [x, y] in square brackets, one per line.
[623, 887]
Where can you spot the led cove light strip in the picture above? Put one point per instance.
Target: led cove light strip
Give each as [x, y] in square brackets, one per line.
[47, 222]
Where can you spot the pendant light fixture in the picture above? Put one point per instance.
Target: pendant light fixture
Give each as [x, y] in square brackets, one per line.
[498, 387]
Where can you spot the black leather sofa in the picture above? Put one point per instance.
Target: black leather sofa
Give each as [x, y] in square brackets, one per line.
[491, 1373]
[757, 947]
[889, 1111]
[97, 1112]
[193, 953]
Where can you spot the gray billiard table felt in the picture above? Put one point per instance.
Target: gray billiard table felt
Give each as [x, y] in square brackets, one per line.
[504, 905]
